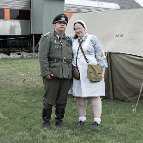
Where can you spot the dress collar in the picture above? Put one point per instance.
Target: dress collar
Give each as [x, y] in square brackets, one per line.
[83, 38]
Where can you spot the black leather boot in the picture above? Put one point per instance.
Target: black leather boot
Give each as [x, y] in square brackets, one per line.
[46, 115]
[59, 112]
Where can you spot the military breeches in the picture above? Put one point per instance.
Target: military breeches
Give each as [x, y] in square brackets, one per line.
[56, 92]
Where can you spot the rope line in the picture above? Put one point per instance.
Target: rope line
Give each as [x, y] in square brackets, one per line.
[23, 75]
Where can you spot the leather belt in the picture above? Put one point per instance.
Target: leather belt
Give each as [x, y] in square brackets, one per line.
[64, 60]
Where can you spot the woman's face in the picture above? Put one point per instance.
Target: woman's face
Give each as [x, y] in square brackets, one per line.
[79, 30]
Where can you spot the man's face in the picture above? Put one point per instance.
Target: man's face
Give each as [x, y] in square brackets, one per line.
[60, 26]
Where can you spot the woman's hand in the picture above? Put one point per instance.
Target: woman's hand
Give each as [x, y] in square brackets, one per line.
[103, 73]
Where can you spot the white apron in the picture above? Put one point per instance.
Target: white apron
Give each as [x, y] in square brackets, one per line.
[83, 87]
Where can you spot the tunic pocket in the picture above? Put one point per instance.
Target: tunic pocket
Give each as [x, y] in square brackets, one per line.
[54, 68]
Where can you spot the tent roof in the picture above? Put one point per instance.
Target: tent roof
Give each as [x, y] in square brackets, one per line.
[119, 31]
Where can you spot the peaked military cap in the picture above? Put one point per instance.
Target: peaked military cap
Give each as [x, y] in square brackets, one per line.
[61, 17]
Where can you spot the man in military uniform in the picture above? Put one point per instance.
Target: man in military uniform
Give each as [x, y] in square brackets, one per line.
[55, 55]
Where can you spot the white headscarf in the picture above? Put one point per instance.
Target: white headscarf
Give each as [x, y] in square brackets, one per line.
[81, 21]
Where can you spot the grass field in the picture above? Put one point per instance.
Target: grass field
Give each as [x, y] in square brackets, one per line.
[21, 94]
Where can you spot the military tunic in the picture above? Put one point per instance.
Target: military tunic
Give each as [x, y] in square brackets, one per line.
[51, 46]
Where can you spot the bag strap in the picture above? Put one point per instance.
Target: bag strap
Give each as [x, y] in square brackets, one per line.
[80, 42]
[80, 46]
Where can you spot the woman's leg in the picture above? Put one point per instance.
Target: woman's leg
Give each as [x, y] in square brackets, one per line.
[97, 108]
[82, 104]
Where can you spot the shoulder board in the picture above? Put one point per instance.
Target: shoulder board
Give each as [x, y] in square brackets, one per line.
[44, 35]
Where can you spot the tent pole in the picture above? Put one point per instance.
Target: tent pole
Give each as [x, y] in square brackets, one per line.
[111, 96]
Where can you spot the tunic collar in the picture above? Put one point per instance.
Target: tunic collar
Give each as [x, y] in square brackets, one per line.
[58, 36]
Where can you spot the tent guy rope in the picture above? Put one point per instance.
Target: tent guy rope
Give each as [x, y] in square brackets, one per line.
[135, 107]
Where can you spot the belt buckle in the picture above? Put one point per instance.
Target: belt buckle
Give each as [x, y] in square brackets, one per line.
[64, 60]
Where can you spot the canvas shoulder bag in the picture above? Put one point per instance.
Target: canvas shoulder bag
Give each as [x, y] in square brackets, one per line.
[94, 71]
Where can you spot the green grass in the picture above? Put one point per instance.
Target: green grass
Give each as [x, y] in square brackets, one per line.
[21, 94]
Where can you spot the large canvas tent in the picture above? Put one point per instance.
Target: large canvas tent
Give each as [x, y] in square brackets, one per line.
[121, 35]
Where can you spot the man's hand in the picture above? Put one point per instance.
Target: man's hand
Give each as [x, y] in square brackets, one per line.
[49, 76]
